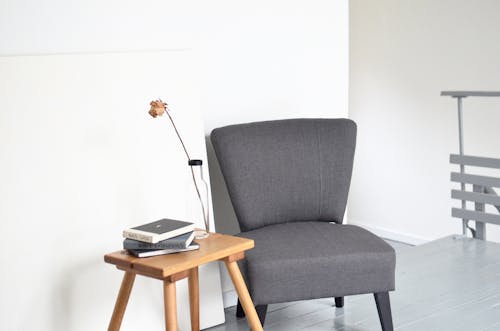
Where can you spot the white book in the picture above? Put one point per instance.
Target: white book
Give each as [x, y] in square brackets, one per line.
[159, 230]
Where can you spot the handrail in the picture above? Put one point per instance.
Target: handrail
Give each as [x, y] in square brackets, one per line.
[464, 94]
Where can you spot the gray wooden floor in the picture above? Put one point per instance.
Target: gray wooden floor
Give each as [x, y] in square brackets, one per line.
[449, 284]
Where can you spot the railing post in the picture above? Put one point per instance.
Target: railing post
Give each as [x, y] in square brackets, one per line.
[479, 206]
[461, 151]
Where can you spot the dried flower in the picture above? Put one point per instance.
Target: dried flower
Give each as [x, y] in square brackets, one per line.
[158, 107]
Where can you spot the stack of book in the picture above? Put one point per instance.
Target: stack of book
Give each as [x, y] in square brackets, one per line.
[161, 237]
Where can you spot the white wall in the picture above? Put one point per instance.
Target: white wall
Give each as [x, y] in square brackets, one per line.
[265, 60]
[257, 60]
[81, 160]
[402, 54]
[54, 26]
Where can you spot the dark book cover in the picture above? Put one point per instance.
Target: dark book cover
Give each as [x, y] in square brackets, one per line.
[181, 241]
[156, 252]
[162, 226]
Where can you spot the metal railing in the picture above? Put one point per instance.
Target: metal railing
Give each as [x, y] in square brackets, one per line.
[482, 193]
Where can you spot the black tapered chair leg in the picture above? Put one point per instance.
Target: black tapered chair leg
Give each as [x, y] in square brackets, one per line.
[339, 302]
[384, 310]
[260, 309]
[261, 312]
[239, 310]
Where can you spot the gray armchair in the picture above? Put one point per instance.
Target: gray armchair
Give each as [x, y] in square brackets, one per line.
[288, 181]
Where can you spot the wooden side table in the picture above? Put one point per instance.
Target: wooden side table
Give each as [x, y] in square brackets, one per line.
[173, 267]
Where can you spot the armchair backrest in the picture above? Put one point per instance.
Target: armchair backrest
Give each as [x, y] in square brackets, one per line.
[287, 170]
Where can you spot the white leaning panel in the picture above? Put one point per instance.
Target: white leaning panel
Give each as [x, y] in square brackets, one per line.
[80, 160]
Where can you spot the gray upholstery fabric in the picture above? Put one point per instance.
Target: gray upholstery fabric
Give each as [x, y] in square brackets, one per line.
[288, 170]
[287, 181]
[305, 260]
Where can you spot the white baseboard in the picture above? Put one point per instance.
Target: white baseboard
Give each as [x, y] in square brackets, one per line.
[392, 235]
[230, 298]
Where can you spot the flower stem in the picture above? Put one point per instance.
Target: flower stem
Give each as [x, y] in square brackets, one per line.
[205, 214]
[178, 135]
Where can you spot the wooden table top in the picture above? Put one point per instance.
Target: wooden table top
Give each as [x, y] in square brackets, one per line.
[217, 246]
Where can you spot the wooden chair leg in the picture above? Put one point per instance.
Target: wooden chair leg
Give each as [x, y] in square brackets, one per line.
[339, 302]
[170, 305]
[241, 289]
[384, 310]
[121, 301]
[194, 299]
[239, 310]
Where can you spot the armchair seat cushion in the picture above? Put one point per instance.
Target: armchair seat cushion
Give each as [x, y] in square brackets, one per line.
[305, 260]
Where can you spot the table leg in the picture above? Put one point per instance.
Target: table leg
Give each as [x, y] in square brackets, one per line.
[170, 305]
[121, 301]
[194, 299]
[244, 296]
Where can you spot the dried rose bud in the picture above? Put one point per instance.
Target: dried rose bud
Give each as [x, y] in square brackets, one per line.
[158, 107]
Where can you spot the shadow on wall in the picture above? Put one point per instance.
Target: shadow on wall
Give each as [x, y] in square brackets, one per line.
[224, 216]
